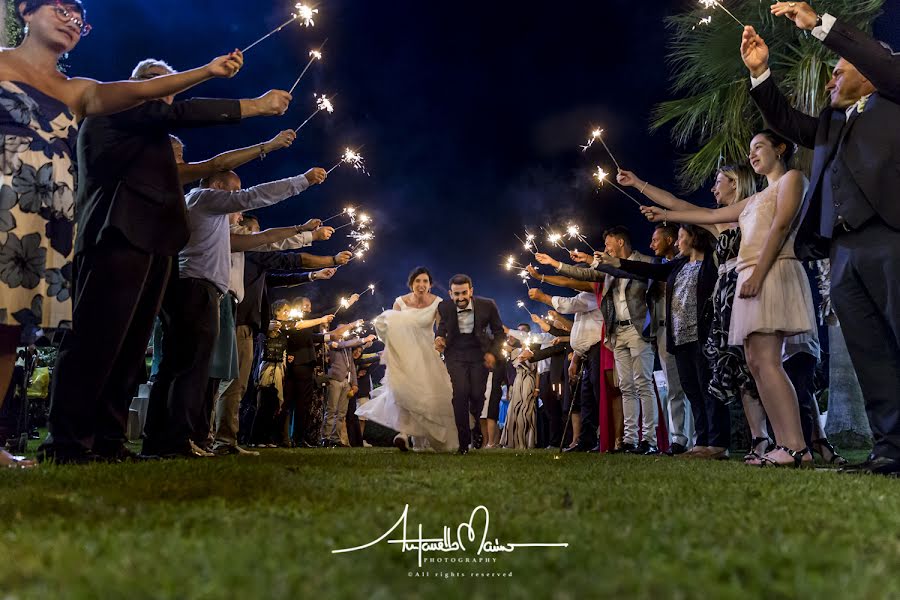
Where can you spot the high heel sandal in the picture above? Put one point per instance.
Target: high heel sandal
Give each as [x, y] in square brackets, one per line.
[754, 444]
[797, 455]
[823, 445]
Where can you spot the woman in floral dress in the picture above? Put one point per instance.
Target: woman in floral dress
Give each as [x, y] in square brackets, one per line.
[39, 111]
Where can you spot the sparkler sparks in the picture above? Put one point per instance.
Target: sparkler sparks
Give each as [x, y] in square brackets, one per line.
[304, 15]
[322, 103]
[574, 233]
[603, 177]
[349, 211]
[295, 314]
[597, 134]
[712, 4]
[353, 159]
[557, 240]
[521, 304]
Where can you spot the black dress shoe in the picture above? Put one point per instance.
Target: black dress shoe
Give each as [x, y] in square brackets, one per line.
[650, 450]
[676, 449]
[122, 454]
[462, 451]
[875, 465]
[627, 448]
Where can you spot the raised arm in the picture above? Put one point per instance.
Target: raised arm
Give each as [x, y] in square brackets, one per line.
[266, 194]
[565, 282]
[776, 109]
[242, 242]
[228, 161]
[89, 97]
[638, 269]
[790, 196]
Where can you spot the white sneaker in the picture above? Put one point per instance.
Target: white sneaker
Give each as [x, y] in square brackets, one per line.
[366, 444]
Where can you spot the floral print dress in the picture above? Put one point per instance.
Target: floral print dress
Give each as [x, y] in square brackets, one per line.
[37, 206]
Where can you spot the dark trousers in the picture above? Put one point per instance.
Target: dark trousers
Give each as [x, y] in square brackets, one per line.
[190, 320]
[299, 397]
[550, 396]
[497, 381]
[712, 419]
[265, 428]
[118, 290]
[354, 432]
[469, 381]
[590, 400]
[801, 370]
[202, 434]
[865, 290]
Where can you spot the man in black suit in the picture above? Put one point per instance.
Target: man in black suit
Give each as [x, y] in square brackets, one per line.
[469, 351]
[132, 220]
[851, 213]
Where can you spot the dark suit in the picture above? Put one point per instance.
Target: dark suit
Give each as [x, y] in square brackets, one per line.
[464, 356]
[132, 220]
[851, 214]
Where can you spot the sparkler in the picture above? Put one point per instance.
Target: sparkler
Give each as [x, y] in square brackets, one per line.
[370, 288]
[314, 56]
[364, 221]
[322, 103]
[295, 314]
[597, 134]
[353, 159]
[304, 14]
[602, 177]
[344, 303]
[574, 233]
[708, 4]
[521, 304]
[349, 211]
[512, 264]
[557, 240]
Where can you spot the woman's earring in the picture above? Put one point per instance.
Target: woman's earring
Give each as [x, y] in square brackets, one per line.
[25, 31]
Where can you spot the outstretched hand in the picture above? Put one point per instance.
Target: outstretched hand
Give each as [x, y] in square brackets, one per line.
[654, 214]
[226, 67]
[282, 140]
[605, 259]
[754, 52]
[627, 178]
[315, 175]
[581, 257]
[801, 13]
[545, 259]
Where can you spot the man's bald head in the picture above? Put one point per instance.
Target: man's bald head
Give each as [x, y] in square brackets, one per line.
[226, 180]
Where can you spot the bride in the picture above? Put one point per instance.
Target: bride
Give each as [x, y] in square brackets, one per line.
[415, 397]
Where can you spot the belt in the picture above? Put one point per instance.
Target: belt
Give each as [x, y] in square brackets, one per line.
[662, 323]
[623, 323]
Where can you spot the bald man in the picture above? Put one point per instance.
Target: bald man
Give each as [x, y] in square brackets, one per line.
[190, 311]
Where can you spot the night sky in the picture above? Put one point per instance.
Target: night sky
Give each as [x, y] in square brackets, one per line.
[469, 114]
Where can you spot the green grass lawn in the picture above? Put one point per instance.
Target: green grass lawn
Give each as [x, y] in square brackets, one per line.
[245, 527]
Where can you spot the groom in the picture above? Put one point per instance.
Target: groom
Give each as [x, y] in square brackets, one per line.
[469, 351]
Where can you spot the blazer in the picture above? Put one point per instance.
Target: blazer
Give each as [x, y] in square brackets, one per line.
[870, 147]
[706, 283]
[128, 179]
[254, 308]
[487, 316]
[636, 295]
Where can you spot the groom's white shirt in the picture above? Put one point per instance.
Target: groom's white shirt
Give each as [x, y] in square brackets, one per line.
[466, 319]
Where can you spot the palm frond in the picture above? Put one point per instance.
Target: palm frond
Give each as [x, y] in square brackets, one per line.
[711, 113]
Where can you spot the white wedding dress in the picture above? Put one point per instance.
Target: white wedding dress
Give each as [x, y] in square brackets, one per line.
[416, 396]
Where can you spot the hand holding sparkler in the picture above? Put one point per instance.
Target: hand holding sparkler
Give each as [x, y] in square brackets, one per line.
[603, 177]
[655, 214]
[322, 234]
[315, 175]
[303, 15]
[322, 274]
[540, 296]
[607, 259]
[754, 52]
[225, 67]
[574, 233]
[581, 257]
[273, 103]
[545, 259]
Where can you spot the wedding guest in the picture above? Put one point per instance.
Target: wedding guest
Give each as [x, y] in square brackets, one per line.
[341, 379]
[730, 376]
[520, 431]
[42, 107]
[226, 161]
[301, 407]
[850, 213]
[774, 300]
[364, 365]
[585, 340]
[189, 313]
[690, 279]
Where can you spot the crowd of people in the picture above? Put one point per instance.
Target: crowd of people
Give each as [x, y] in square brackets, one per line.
[109, 248]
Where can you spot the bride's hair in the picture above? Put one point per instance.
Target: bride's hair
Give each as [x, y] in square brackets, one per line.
[419, 271]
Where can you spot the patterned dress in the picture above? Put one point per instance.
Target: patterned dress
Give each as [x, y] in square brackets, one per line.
[520, 430]
[730, 374]
[37, 206]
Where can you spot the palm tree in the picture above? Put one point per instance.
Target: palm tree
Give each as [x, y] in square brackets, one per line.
[713, 118]
[712, 115]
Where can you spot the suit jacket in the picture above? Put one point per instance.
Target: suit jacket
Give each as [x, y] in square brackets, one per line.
[871, 146]
[636, 295]
[487, 316]
[254, 308]
[128, 180]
